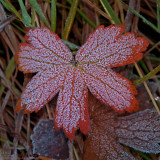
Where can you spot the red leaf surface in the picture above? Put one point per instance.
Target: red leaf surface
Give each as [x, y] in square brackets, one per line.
[41, 89]
[106, 47]
[73, 104]
[59, 72]
[110, 88]
[45, 51]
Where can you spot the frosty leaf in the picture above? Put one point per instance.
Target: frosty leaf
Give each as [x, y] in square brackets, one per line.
[41, 89]
[47, 142]
[72, 107]
[108, 48]
[110, 88]
[44, 51]
[140, 131]
[58, 71]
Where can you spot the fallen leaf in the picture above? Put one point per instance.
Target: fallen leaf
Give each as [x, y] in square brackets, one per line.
[49, 143]
[59, 71]
[140, 131]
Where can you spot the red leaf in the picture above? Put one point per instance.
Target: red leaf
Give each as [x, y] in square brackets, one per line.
[107, 48]
[45, 51]
[110, 88]
[72, 106]
[41, 89]
[58, 71]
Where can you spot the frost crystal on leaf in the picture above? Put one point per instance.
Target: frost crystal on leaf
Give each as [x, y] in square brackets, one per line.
[46, 54]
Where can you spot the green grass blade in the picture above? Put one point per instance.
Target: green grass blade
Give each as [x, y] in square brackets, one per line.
[146, 77]
[12, 87]
[110, 11]
[10, 68]
[11, 143]
[25, 15]
[81, 13]
[53, 15]
[140, 16]
[70, 19]
[37, 8]
[33, 19]
[11, 8]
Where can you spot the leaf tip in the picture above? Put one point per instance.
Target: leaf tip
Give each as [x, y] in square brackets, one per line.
[84, 127]
[19, 106]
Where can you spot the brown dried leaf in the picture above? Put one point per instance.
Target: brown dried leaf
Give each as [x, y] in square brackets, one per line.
[140, 131]
[48, 142]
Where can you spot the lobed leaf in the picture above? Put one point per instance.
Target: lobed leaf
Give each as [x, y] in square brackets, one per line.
[110, 88]
[41, 89]
[44, 51]
[72, 106]
[103, 145]
[108, 48]
[57, 69]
